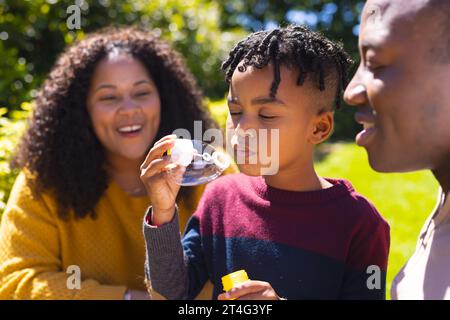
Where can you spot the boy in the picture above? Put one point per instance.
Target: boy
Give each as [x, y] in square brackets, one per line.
[298, 236]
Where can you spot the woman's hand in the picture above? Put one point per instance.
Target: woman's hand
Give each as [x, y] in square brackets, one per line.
[161, 189]
[250, 290]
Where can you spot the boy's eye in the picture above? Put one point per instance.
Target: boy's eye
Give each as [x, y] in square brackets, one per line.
[235, 113]
[265, 117]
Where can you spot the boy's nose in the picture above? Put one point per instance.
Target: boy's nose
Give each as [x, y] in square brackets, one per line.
[246, 123]
[355, 94]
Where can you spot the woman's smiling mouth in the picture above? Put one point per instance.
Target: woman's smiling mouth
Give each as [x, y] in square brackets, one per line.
[130, 131]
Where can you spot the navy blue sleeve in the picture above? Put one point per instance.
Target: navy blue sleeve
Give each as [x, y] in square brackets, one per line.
[365, 275]
[194, 257]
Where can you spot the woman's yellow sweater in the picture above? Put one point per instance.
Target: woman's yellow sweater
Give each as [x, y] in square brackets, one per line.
[37, 247]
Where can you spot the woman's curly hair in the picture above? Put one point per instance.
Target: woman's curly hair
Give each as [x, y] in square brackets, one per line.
[60, 148]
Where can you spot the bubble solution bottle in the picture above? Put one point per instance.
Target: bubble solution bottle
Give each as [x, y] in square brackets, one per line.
[234, 279]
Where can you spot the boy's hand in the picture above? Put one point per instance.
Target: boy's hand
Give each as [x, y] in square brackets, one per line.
[251, 290]
[161, 189]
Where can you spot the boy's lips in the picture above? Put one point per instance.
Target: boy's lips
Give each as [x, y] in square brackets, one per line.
[244, 154]
[241, 146]
[367, 118]
[246, 151]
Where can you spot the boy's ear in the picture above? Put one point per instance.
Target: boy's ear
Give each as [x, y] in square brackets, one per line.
[322, 127]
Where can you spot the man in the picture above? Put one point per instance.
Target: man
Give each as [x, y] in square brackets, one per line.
[402, 91]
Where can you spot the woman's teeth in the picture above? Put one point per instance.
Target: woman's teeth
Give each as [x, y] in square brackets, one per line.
[128, 129]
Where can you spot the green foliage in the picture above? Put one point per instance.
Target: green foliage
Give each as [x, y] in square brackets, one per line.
[10, 130]
[34, 32]
[219, 111]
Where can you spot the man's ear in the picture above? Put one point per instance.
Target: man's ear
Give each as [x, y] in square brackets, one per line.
[322, 127]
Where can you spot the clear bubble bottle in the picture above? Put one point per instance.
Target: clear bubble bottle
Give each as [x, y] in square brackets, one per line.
[200, 162]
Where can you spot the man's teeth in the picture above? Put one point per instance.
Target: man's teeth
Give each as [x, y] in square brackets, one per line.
[130, 128]
[368, 125]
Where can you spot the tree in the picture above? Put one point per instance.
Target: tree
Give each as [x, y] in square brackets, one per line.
[33, 33]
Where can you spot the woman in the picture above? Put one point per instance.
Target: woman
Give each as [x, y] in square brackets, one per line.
[75, 211]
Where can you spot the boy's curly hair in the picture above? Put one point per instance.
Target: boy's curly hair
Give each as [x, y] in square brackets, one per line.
[60, 148]
[294, 46]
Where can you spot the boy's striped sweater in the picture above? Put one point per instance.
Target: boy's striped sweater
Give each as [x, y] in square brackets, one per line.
[307, 245]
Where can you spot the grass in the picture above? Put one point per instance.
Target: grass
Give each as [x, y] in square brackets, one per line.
[405, 200]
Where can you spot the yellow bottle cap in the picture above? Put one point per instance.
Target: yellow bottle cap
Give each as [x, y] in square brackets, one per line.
[233, 279]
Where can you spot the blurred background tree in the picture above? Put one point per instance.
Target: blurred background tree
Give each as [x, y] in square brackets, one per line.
[34, 32]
